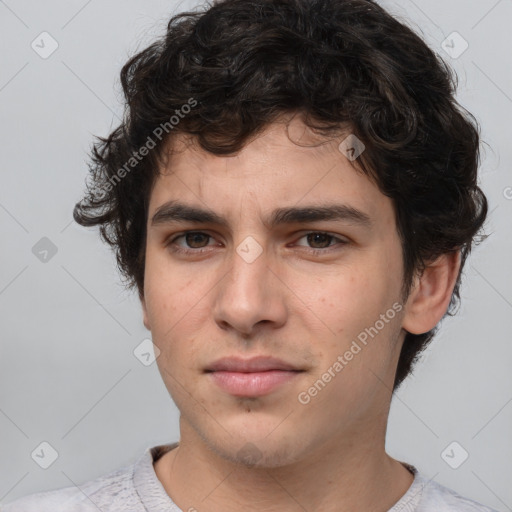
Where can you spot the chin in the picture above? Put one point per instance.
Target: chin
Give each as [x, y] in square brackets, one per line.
[257, 452]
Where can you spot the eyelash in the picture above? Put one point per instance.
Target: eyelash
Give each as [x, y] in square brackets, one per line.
[202, 250]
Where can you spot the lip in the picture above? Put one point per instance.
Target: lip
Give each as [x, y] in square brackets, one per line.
[253, 377]
[252, 384]
[254, 364]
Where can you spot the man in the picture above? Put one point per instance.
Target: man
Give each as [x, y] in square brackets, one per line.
[293, 193]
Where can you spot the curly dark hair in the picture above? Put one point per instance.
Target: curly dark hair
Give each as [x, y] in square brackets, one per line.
[223, 73]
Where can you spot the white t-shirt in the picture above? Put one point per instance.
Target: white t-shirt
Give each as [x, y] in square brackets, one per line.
[136, 488]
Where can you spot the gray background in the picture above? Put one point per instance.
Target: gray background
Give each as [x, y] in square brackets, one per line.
[68, 375]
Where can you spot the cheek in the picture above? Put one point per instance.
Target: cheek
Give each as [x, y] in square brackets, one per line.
[168, 292]
[348, 304]
[175, 313]
[343, 299]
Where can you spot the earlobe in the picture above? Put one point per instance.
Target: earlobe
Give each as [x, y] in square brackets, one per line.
[145, 318]
[431, 294]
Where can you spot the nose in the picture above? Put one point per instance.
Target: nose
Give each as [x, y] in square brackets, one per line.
[250, 296]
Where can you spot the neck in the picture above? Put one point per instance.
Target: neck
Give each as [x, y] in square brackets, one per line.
[348, 473]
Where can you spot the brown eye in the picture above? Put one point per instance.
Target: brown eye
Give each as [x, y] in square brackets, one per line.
[322, 239]
[194, 239]
[190, 243]
[321, 243]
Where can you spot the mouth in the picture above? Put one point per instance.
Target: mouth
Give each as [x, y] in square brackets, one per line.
[254, 377]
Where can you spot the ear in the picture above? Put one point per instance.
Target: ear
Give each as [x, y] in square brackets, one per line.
[145, 317]
[431, 294]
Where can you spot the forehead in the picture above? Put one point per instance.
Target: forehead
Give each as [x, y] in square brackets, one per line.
[284, 165]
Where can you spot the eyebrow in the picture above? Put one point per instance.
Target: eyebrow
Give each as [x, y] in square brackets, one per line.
[175, 211]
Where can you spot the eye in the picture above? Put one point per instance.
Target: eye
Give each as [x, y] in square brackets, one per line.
[194, 240]
[321, 241]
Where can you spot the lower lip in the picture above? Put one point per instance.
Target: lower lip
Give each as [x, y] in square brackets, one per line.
[252, 384]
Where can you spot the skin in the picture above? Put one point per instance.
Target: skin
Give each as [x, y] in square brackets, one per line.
[303, 307]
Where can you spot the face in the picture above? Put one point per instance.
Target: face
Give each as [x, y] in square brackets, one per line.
[266, 275]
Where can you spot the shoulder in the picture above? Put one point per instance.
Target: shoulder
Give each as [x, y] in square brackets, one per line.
[56, 501]
[113, 491]
[438, 498]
